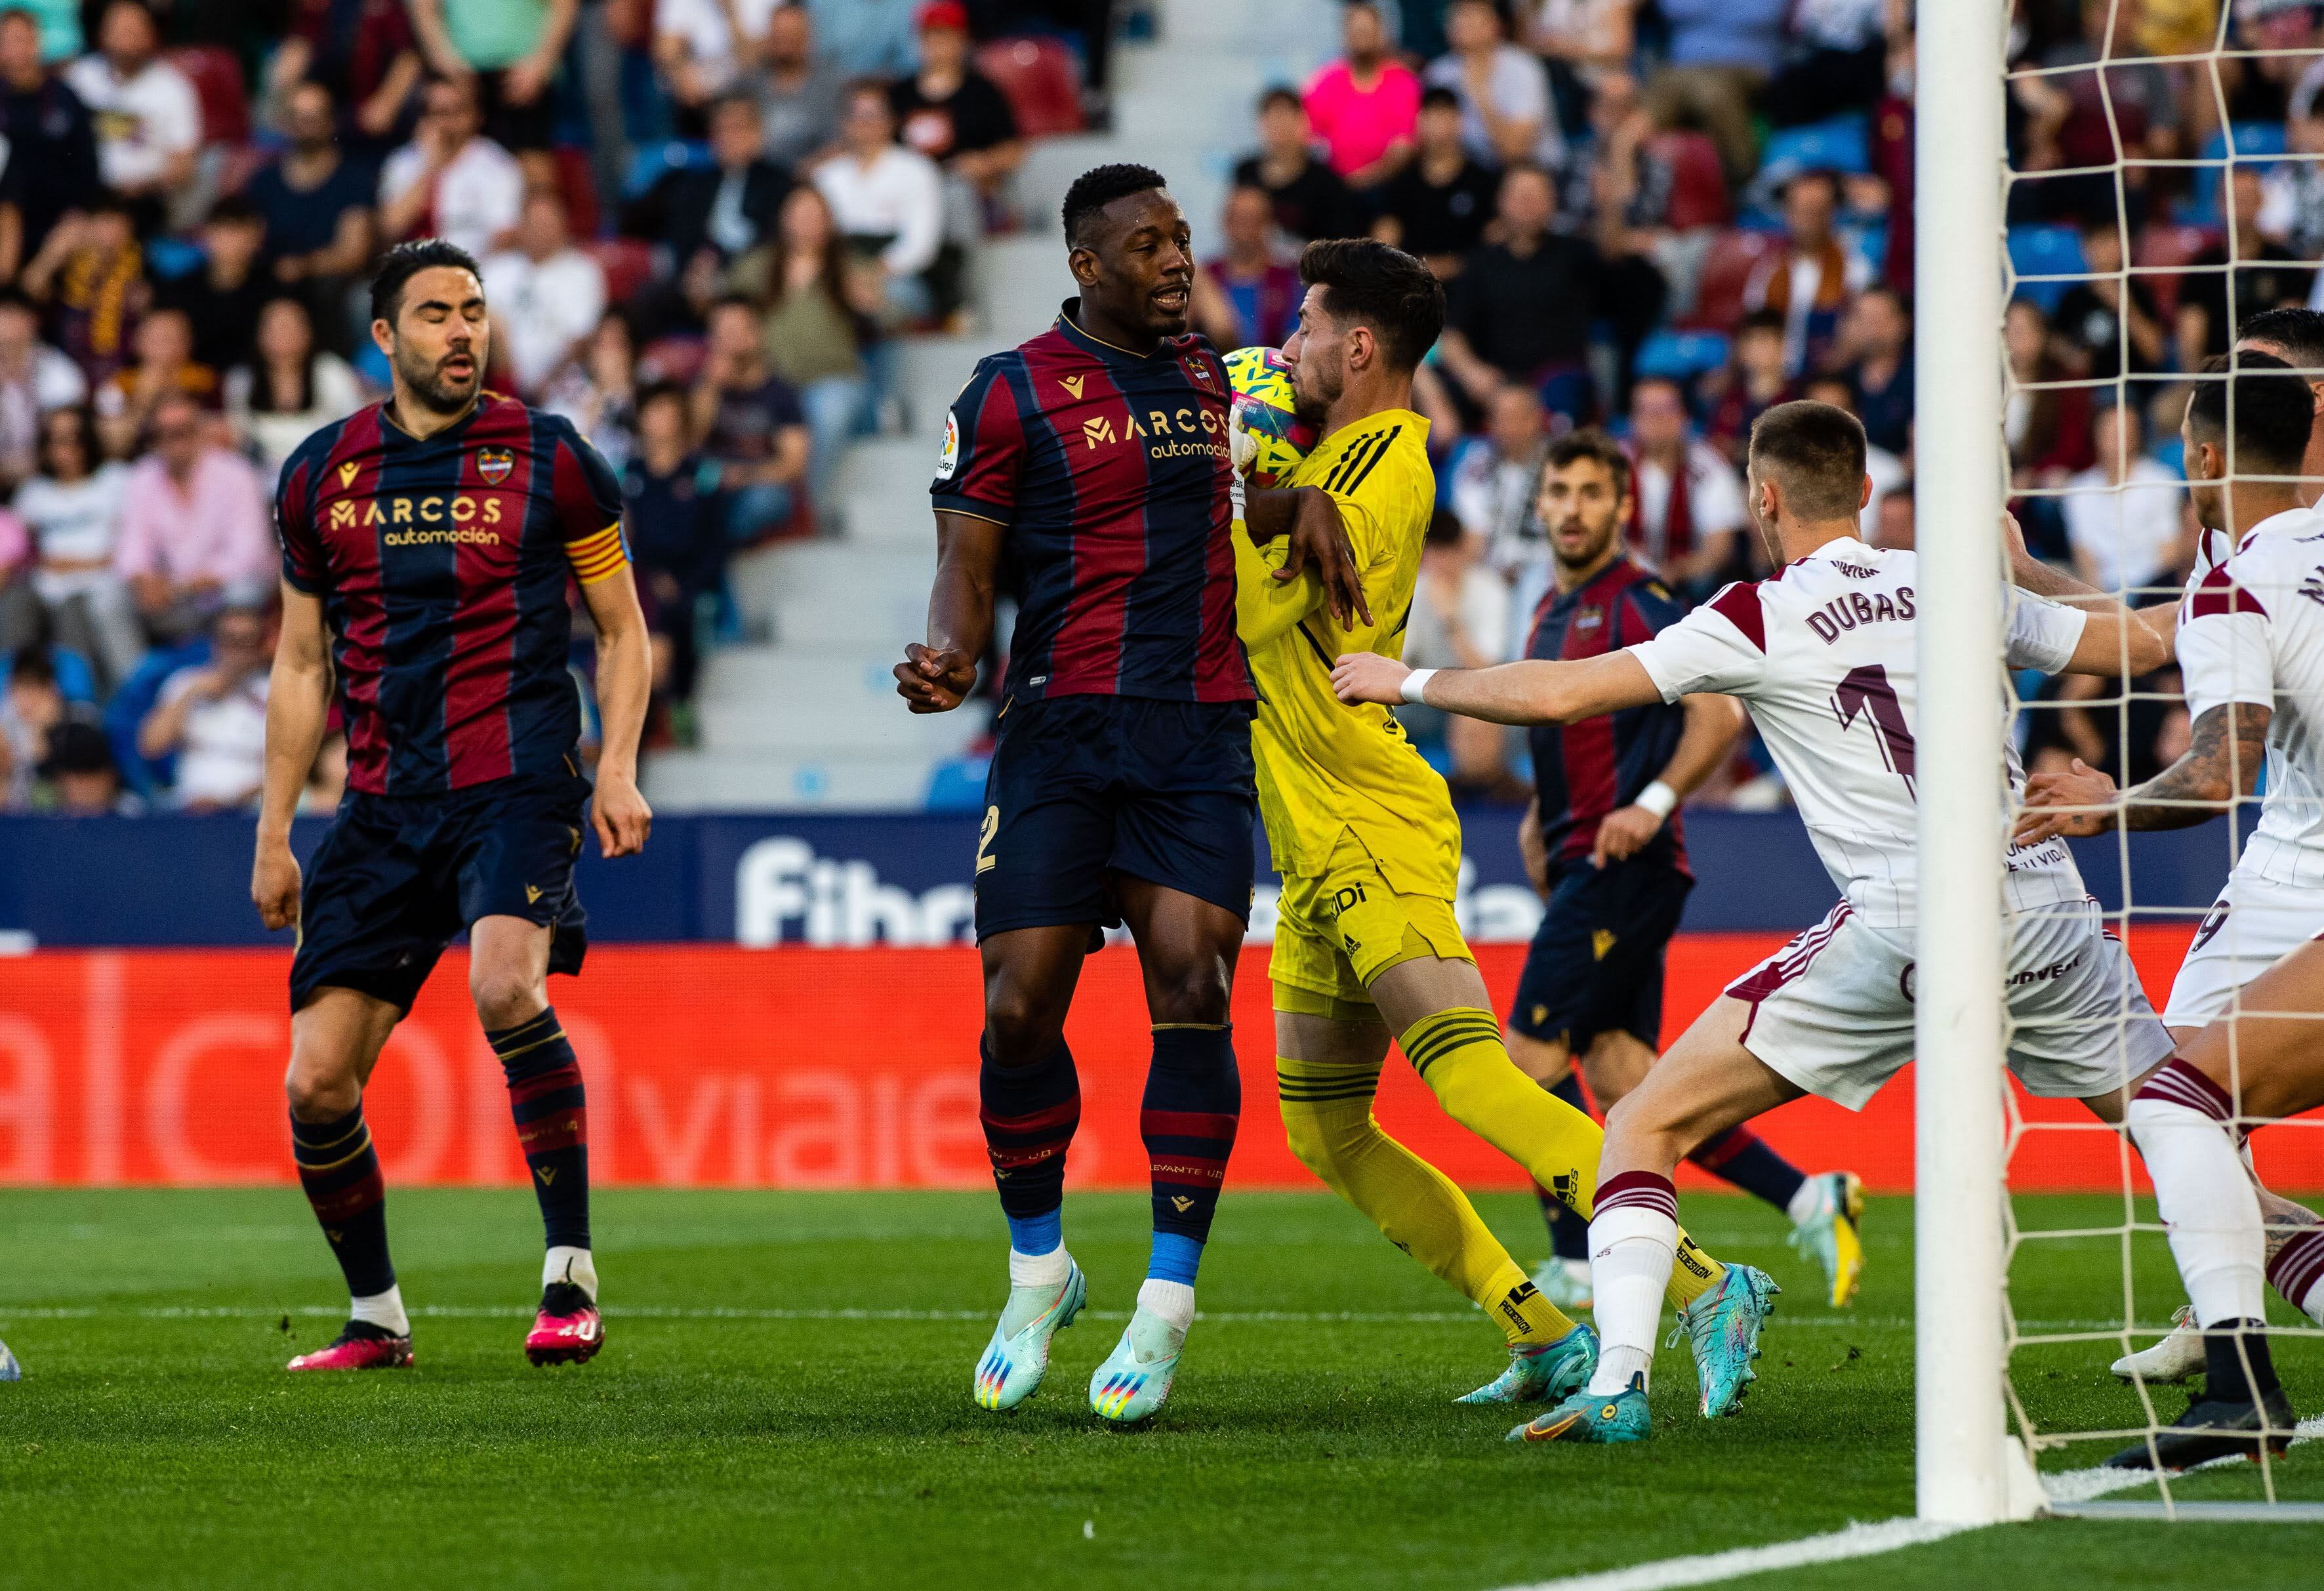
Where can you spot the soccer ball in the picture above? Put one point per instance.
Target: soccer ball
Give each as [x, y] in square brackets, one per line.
[1274, 438]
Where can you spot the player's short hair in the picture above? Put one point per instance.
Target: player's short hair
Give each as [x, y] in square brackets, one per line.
[2274, 410]
[2298, 332]
[1385, 288]
[1098, 187]
[405, 261]
[1816, 451]
[1589, 442]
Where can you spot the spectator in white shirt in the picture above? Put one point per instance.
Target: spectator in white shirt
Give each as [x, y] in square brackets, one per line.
[194, 531]
[149, 121]
[2125, 517]
[1687, 509]
[451, 181]
[290, 388]
[547, 296]
[212, 717]
[34, 379]
[888, 200]
[1491, 486]
[72, 509]
[1506, 114]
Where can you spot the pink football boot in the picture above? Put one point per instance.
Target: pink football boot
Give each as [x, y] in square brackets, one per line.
[568, 1330]
[360, 1345]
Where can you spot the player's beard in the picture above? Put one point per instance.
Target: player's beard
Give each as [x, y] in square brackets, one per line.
[1312, 403]
[424, 379]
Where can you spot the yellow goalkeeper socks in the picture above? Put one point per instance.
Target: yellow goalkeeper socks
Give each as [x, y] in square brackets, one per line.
[1459, 1054]
[1327, 1114]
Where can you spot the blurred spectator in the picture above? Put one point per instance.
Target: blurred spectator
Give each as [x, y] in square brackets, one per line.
[888, 200]
[59, 26]
[73, 510]
[360, 54]
[547, 295]
[2133, 112]
[798, 92]
[318, 209]
[221, 297]
[1838, 62]
[1521, 309]
[1687, 514]
[1490, 482]
[508, 51]
[1459, 620]
[78, 778]
[1885, 470]
[2090, 318]
[194, 533]
[707, 48]
[1309, 199]
[2292, 193]
[2267, 274]
[708, 215]
[2047, 424]
[815, 327]
[148, 121]
[212, 717]
[33, 378]
[1437, 206]
[1249, 295]
[1365, 107]
[1876, 350]
[1580, 41]
[2271, 44]
[750, 422]
[1892, 511]
[52, 138]
[1754, 382]
[599, 395]
[91, 274]
[865, 38]
[290, 389]
[676, 515]
[2126, 518]
[451, 180]
[1721, 55]
[1810, 281]
[1506, 114]
[30, 707]
[165, 366]
[952, 113]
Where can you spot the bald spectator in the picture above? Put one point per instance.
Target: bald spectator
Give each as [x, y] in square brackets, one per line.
[149, 121]
[212, 717]
[798, 92]
[194, 536]
[1365, 107]
[460, 184]
[1520, 312]
[547, 296]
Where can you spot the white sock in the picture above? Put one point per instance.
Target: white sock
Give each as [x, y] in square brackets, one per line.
[1631, 1250]
[2209, 1207]
[566, 1263]
[1807, 1202]
[1173, 1301]
[1046, 1271]
[383, 1310]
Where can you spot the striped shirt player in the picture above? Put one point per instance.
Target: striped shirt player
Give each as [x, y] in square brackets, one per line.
[1124, 738]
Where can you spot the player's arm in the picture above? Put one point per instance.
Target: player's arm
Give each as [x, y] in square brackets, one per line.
[2219, 767]
[1535, 691]
[618, 809]
[1311, 517]
[2115, 630]
[937, 676]
[298, 708]
[1712, 724]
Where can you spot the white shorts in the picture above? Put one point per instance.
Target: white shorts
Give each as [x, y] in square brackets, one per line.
[2255, 924]
[1832, 1011]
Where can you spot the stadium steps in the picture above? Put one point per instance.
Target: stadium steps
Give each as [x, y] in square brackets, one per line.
[707, 781]
[839, 596]
[797, 701]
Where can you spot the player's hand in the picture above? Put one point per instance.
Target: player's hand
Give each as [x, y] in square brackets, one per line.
[1622, 834]
[2012, 537]
[274, 884]
[1318, 538]
[933, 680]
[2049, 797]
[1366, 676]
[619, 813]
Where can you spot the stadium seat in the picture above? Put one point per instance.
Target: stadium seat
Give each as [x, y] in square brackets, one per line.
[628, 264]
[2165, 248]
[216, 77]
[1681, 356]
[1726, 270]
[578, 189]
[1841, 144]
[1043, 81]
[1698, 196]
[652, 159]
[169, 258]
[2044, 251]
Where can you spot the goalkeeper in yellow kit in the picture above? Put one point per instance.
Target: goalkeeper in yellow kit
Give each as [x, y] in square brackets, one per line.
[1363, 832]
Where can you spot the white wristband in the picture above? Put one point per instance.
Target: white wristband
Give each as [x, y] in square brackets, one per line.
[1416, 682]
[1658, 799]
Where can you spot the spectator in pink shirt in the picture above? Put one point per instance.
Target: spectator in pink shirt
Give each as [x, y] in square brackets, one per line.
[194, 536]
[1364, 106]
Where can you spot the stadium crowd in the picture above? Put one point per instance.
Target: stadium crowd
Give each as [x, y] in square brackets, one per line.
[706, 223]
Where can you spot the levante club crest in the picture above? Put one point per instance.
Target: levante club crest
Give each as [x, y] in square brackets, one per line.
[493, 463]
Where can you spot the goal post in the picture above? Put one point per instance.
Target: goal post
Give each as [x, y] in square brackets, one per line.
[1961, 1469]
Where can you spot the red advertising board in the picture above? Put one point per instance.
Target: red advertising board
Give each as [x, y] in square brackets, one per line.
[788, 1067]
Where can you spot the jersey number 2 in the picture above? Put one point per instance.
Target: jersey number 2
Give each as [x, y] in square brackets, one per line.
[1867, 692]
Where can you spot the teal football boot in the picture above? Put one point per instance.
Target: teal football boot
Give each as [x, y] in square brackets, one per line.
[1543, 1372]
[1014, 1361]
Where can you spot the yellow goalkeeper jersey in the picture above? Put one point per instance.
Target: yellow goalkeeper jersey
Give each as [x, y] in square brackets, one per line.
[1325, 770]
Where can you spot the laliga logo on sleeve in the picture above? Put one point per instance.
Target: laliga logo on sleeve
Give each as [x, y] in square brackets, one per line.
[949, 459]
[493, 463]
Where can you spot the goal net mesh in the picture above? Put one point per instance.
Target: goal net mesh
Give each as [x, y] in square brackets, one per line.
[2162, 185]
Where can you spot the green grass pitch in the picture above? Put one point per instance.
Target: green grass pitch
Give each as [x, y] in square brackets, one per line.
[784, 1400]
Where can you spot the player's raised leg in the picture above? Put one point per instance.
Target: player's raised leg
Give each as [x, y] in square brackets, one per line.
[336, 1037]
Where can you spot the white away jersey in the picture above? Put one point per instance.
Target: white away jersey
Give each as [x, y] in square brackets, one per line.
[1823, 654]
[2251, 630]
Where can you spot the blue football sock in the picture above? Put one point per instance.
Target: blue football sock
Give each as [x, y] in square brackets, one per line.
[1176, 1258]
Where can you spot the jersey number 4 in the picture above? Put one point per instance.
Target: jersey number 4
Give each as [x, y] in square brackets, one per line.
[1866, 692]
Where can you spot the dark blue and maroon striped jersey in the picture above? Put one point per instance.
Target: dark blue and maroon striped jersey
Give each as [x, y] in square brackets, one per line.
[1111, 471]
[443, 568]
[1583, 771]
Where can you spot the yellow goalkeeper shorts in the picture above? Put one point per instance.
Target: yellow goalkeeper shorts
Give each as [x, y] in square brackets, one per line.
[1338, 931]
